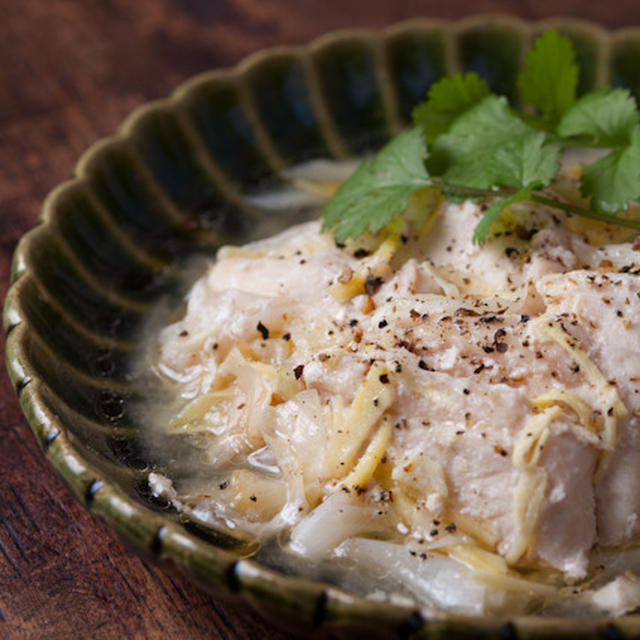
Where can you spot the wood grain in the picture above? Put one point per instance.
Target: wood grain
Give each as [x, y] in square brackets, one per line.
[70, 70]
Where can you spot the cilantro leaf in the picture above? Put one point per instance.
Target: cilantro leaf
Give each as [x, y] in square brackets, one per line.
[402, 158]
[483, 227]
[379, 189]
[447, 99]
[457, 92]
[489, 146]
[527, 159]
[607, 115]
[615, 179]
[549, 78]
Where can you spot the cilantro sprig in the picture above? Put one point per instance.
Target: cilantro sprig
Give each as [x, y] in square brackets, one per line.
[471, 143]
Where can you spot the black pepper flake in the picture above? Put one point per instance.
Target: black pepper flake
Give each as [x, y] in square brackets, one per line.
[525, 318]
[451, 528]
[297, 372]
[423, 365]
[487, 349]
[184, 333]
[511, 252]
[433, 532]
[358, 489]
[372, 284]
[403, 344]
[253, 498]
[376, 402]
[466, 312]
[501, 347]
[360, 253]
[223, 485]
[353, 322]
[384, 378]
[525, 234]
[478, 369]
[264, 332]
[466, 392]
[382, 324]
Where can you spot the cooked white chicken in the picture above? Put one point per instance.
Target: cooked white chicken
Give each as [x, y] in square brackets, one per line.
[487, 398]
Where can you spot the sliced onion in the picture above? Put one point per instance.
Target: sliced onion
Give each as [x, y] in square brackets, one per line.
[434, 580]
[339, 517]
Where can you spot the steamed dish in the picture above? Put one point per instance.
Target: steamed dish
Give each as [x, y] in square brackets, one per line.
[437, 398]
[459, 422]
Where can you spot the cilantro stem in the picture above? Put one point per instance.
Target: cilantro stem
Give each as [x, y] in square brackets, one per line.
[471, 191]
[543, 125]
[550, 202]
[586, 213]
[577, 142]
[536, 122]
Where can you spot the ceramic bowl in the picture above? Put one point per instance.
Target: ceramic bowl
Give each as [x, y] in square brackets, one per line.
[176, 181]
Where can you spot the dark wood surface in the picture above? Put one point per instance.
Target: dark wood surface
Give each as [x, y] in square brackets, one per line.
[70, 70]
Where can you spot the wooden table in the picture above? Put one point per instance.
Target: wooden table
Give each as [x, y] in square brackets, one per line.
[70, 70]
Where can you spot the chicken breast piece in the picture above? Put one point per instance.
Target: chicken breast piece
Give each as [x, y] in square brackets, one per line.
[513, 393]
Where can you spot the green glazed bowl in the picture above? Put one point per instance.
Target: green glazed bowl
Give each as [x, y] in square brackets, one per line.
[173, 183]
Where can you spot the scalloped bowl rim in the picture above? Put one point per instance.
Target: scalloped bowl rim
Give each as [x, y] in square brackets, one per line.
[123, 514]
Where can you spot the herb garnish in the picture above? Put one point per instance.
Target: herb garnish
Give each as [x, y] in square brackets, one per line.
[470, 143]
